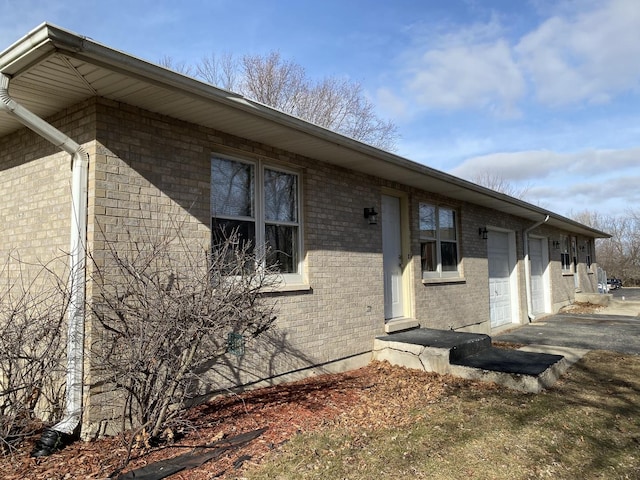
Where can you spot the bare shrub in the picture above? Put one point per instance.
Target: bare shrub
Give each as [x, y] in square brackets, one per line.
[166, 309]
[32, 340]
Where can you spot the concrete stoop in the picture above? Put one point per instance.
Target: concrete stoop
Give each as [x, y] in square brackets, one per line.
[471, 356]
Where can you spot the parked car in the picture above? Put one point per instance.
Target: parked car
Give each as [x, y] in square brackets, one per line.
[614, 283]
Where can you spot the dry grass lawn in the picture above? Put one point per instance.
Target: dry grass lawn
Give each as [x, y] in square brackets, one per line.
[586, 427]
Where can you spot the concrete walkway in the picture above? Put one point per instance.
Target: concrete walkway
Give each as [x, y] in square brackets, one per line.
[615, 328]
[619, 307]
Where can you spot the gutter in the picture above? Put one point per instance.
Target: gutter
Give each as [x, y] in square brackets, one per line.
[527, 266]
[77, 275]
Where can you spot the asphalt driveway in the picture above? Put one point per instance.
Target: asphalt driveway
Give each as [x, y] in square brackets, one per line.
[602, 331]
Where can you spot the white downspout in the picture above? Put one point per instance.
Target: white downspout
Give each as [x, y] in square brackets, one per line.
[78, 242]
[527, 266]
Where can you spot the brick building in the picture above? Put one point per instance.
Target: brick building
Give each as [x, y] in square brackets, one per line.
[95, 143]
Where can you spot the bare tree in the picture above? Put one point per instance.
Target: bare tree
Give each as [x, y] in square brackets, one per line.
[620, 254]
[497, 182]
[273, 81]
[220, 70]
[338, 104]
[176, 66]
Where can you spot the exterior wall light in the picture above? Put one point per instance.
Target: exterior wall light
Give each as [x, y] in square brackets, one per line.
[371, 215]
[556, 245]
[482, 232]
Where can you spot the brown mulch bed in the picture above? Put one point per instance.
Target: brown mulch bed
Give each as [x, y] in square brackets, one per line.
[369, 397]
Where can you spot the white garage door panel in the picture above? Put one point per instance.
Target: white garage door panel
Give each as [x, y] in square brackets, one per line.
[537, 276]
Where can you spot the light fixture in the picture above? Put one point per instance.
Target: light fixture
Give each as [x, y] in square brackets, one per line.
[556, 244]
[371, 215]
[582, 247]
[482, 232]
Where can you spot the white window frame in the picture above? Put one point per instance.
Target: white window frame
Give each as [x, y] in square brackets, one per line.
[259, 220]
[425, 237]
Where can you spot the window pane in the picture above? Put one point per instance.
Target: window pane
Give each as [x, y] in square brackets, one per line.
[447, 221]
[280, 196]
[429, 257]
[232, 188]
[449, 253]
[241, 236]
[282, 248]
[427, 220]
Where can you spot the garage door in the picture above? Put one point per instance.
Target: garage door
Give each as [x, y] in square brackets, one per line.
[499, 278]
[537, 276]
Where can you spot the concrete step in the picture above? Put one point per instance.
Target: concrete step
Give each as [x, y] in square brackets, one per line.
[509, 361]
[470, 355]
[459, 344]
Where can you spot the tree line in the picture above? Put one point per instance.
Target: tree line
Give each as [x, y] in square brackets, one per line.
[620, 254]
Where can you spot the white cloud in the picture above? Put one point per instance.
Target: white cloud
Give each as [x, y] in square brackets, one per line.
[471, 75]
[604, 180]
[541, 164]
[589, 55]
[585, 51]
[390, 103]
[513, 166]
[615, 195]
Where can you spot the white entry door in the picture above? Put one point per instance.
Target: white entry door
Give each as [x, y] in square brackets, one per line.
[392, 257]
[500, 306]
[538, 289]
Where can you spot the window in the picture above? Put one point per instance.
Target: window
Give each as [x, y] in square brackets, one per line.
[565, 256]
[589, 254]
[261, 204]
[438, 241]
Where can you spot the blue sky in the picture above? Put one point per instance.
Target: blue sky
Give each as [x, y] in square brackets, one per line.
[544, 93]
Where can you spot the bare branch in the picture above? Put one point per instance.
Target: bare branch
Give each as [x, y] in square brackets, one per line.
[177, 66]
[497, 182]
[221, 71]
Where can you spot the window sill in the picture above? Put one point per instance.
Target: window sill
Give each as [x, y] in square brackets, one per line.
[292, 287]
[441, 281]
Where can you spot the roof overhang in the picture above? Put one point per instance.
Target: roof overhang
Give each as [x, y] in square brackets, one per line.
[52, 68]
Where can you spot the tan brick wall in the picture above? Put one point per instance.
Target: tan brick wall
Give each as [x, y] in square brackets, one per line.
[35, 192]
[138, 182]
